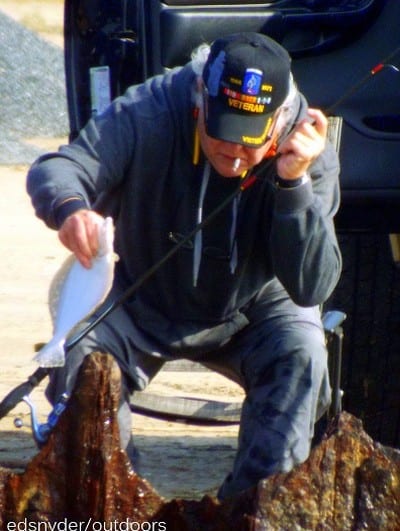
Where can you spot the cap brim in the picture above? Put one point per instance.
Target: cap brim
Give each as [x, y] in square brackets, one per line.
[250, 130]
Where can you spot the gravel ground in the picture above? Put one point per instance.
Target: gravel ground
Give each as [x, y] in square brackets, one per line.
[32, 88]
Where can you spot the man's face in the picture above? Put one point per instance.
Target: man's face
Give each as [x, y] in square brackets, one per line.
[222, 154]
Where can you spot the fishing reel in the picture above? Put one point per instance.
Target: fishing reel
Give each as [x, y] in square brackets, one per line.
[41, 431]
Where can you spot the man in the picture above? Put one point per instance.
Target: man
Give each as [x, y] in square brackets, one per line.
[242, 296]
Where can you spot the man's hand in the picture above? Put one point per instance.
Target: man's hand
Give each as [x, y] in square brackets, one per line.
[79, 234]
[302, 146]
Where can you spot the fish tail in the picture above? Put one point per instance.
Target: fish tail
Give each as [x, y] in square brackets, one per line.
[52, 354]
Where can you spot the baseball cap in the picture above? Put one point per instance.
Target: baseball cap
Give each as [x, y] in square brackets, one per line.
[246, 78]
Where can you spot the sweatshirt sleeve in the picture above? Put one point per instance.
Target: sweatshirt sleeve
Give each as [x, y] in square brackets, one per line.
[305, 252]
[78, 174]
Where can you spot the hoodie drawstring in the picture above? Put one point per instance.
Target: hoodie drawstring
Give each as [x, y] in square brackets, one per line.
[198, 239]
[233, 246]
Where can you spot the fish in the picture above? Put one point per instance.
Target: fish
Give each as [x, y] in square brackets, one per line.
[76, 292]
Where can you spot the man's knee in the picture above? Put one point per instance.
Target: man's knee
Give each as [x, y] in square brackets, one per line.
[295, 351]
[62, 379]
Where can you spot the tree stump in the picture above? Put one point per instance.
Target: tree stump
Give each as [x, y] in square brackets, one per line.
[82, 476]
[82, 472]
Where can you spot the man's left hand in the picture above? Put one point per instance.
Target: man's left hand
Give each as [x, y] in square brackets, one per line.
[304, 144]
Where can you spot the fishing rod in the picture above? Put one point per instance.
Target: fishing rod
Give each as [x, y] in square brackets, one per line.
[20, 392]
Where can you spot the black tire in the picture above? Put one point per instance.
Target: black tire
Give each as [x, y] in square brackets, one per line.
[369, 293]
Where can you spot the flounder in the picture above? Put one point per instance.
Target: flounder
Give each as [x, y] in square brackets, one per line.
[78, 292]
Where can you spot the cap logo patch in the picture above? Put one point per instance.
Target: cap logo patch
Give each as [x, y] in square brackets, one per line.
[252, 81]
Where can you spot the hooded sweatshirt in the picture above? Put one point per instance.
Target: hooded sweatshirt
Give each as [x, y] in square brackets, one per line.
[139, 152]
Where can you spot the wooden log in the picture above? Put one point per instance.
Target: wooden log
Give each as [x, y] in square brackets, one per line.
[82, 475]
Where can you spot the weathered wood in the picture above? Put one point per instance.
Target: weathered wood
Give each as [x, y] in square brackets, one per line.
[81, 472]
[349, 482]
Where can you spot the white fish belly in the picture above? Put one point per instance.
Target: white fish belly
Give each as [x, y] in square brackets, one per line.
[83, 291]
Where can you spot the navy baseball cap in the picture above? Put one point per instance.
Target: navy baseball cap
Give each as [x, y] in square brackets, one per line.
[246, 78]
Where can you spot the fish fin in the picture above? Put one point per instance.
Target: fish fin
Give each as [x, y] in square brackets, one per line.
[52, 354]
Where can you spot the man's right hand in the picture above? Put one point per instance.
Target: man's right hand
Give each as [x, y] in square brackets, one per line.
[79, 234]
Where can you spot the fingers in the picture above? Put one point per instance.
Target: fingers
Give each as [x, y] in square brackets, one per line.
[320, 121]
[79, 233]
[303, 145]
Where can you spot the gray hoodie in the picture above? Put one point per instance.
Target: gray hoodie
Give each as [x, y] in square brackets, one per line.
[140, 152]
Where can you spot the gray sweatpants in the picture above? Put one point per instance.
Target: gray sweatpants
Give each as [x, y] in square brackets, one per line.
[279, 359]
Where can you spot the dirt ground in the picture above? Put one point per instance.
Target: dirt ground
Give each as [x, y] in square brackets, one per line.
[180, 460]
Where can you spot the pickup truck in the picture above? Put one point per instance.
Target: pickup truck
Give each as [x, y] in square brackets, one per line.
[346, 60]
